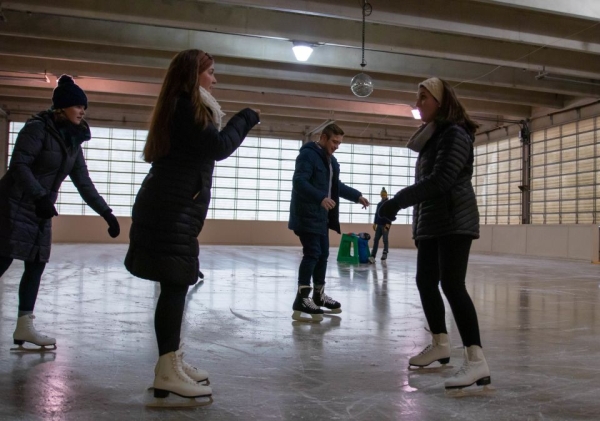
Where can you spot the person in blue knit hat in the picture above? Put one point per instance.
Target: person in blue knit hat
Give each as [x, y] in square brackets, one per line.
[47, 150]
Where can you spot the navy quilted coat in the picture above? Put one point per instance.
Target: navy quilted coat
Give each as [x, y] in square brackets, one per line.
[41, 160]
[443, 197]
[172, 203]
[311, 186]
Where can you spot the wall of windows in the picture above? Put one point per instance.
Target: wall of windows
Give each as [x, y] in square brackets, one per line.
[565, 173]
[253, 184]
[113, 157]
[368, 168]
[496, 177]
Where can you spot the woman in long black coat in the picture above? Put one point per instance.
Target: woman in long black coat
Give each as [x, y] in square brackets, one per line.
[184, 141]
[445, 222]
[47, 150]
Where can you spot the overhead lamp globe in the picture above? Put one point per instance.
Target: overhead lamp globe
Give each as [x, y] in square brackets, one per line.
[302, 51]
[362, 85]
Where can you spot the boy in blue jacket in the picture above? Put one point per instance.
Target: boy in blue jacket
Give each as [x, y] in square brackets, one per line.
[314, 210]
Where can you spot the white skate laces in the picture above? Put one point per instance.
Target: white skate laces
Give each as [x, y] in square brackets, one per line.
[177, 361]
[426, 350]
[32, 329]
[327, 299]
[308, 302]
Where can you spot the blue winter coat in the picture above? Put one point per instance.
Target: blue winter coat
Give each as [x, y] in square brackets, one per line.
[311, 186]
[41, 160]
[172, 203]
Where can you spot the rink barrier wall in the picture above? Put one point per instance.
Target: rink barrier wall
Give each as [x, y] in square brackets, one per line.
[568, 241]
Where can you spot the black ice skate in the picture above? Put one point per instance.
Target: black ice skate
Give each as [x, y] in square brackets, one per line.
[323, 300]
[304, 304]
[384, 255]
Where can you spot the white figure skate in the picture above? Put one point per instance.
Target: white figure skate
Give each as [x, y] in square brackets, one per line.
[196, 374]
[473, 371]
[171, 378]
[439, 351]
[25, 332]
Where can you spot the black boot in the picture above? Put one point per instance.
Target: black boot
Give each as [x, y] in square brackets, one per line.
[323, 300]
[304, 304]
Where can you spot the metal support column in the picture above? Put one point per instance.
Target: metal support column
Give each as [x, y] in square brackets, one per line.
[525, 187]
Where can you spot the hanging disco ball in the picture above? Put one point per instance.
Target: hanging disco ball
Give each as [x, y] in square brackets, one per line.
[362, 85]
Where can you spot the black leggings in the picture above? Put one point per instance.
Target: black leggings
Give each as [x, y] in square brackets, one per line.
[168, 316]
[30, 282]
[446, 259]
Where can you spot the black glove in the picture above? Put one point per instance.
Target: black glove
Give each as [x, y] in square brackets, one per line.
[44, 208]
[113, 225]
[390, 209]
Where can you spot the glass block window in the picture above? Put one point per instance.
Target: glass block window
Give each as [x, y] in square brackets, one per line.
[368, 168]
[113, 157]
[565, 176]
[496, 179]
[255, 183]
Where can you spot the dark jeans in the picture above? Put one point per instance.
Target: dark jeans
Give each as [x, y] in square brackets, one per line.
[380, 232]
[30, 282]
[314, 262]
[168, 317]
[446, 259]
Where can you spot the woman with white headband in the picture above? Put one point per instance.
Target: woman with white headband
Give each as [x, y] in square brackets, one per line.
[445, 222]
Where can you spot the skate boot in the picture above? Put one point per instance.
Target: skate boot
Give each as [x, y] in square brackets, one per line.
[384, 255]
[473, 370]
[439, 350]
[171, 378]
[25, 332]
[304, 304]
[196, 374]
[323, 300]
[371, 259]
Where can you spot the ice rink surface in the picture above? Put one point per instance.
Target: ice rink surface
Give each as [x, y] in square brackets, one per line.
[539, 320]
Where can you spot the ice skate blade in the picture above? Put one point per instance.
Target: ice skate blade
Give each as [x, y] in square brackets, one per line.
[465, 392]
[332, 311]
[41, 349]
[179, 402]
[201, 383]
[315, 318]
[429, 368]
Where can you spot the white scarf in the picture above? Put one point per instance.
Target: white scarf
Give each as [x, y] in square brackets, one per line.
[213, 105]
[418, 140]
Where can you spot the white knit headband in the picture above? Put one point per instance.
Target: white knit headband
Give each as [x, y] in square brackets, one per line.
[435, 88]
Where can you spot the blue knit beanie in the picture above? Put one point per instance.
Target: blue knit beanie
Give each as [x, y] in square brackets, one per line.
[68, 94]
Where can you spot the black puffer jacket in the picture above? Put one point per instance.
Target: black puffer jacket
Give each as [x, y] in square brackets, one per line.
[172, 203]
[41, 160]
[443, 197]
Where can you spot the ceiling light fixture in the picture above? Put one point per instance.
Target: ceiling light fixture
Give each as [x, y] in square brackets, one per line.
[302, 50]
[362, 84]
